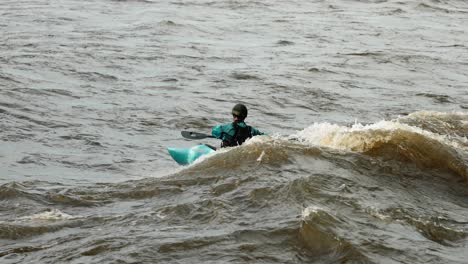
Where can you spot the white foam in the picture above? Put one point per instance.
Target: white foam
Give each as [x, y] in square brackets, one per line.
[333, 135]
[443, 114]
[375, 212]
[257, 139]
[261, 156]
[310, 210]
[52, 215]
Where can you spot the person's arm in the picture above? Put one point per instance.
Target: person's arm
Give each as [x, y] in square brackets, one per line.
[217, 131]
[256, 132]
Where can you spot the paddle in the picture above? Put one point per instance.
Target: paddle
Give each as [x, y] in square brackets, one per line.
[195, 135]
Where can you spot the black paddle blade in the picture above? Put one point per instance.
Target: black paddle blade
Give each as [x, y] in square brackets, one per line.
[195, 135]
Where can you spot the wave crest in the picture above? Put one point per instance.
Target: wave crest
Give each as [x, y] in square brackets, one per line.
[393, 140]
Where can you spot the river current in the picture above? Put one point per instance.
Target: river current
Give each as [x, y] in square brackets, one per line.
[364, 103]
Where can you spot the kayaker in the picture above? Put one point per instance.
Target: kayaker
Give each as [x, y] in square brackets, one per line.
[237, 132]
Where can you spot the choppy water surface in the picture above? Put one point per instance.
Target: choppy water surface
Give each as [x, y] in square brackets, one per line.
[365, 103]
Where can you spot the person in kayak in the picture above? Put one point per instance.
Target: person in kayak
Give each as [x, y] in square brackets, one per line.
[237, 132]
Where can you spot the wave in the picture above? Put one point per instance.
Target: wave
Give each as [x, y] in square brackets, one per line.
[18, 231]
[443, 145]
[24, 192]
[437, 6]
[453, 125]
[438, 229]
[318, 235]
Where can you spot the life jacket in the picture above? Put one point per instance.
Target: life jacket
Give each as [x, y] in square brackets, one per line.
[240, 136]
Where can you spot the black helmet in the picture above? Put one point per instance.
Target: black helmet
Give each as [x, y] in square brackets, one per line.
[240, 110]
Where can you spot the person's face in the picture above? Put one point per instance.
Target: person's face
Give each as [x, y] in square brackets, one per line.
[236, 118]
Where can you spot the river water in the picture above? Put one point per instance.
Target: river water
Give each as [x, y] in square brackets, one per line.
[364, 102]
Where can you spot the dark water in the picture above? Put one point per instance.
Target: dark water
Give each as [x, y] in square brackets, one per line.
[365, 103]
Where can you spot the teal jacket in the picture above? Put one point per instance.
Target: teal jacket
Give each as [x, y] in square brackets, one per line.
[227, 132]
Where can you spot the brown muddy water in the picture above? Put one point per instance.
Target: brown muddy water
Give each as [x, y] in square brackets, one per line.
[364, 102]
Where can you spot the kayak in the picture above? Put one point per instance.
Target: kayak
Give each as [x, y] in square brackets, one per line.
[186, 156]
